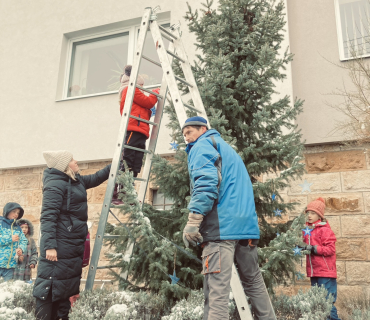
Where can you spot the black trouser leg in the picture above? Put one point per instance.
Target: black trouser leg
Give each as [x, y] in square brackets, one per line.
[63, 309]
[48, 310]
[44, 308]
[134, 159]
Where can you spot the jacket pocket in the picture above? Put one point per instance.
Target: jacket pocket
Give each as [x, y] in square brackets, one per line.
[211, 259]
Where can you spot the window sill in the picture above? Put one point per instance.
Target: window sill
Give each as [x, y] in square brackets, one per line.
[364, 56]
[102, 94]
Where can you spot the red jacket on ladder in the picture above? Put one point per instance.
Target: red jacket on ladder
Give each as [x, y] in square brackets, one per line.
[140, 108]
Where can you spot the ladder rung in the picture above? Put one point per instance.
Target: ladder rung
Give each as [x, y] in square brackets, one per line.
[168, 32]
[139, 179]
[175, 56]
[116, 206]
[190, 107]
[107, 267]
[152, 61]
[184, 81]
[110, 236]
[166, 37]
[143, 120]
[150, 91]
[136, 149]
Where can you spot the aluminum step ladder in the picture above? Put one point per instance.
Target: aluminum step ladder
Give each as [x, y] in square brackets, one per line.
[176, 50]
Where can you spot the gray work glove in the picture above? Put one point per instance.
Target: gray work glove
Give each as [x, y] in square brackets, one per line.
[191, 231]
[312, 249]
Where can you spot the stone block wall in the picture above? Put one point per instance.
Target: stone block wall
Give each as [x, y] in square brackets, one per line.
[340, 175]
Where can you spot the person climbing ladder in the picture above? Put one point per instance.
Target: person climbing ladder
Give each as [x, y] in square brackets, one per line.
[137, 131]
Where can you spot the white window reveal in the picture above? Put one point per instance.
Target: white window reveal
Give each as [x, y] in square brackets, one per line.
[353, 28]
[97, 62]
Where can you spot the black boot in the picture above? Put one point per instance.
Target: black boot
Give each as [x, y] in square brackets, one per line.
[115, 200]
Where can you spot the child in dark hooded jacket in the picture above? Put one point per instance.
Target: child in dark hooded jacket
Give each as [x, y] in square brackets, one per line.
[321, 262]
[28, 261]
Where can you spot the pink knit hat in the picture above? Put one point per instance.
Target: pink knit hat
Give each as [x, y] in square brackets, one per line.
[317, 206]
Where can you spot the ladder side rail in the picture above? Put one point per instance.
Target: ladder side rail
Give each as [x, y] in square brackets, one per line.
[239, 295]
[168, 73]
[188, 73]
[154, 137]
[117, 154]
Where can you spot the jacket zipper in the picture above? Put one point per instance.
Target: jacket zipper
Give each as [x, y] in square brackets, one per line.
[11, 252]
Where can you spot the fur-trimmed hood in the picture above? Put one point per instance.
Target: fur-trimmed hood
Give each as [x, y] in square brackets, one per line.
[31, 229]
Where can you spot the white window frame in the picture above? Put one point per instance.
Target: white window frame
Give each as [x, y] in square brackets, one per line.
[342, 57]
[132, 30]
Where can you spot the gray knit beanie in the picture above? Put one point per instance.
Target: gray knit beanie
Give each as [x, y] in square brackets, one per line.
[58, 159]
[125, 79]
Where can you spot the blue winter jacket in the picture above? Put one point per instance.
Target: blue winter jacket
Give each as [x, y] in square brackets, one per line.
[221, 190]
[8, 228]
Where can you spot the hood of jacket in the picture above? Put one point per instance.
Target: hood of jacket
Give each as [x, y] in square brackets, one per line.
[51, 174]
[205, 135]
[11, 206]
[31, 229]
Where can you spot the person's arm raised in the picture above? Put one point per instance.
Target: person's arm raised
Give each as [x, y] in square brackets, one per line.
[93, 180]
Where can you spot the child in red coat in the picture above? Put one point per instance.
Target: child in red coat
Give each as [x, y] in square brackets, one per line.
[321, 262]
[137, 131]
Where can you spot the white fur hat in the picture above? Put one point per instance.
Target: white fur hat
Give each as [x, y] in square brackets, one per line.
[58, 159]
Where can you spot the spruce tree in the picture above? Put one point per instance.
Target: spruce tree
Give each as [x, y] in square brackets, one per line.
[236, 70]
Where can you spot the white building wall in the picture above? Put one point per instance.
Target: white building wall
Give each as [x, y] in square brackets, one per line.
[32, 64]
[31, 120]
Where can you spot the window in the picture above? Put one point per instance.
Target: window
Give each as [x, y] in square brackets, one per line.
[96, 62]
[353, 28]
[160, 202]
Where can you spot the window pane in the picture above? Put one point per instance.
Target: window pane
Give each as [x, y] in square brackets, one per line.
[97, 64]
[152, 73]
[354, 15]
[168, 201]
[158, 198]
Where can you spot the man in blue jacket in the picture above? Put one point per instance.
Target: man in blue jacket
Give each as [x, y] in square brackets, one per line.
[223, 219]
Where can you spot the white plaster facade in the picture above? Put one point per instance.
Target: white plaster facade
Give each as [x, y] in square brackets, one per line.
[35, 116]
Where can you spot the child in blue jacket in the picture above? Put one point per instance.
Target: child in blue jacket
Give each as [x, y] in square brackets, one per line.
[12, 240]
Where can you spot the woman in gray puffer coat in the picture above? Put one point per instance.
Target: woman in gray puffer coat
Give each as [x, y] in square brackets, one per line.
[63, 232]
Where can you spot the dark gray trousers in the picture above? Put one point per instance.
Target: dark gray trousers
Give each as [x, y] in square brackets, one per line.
[218, 258]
